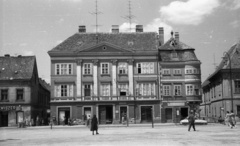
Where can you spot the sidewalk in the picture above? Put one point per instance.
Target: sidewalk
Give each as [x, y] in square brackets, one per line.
[110, 125]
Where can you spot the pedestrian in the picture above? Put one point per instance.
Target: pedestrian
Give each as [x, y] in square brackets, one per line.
[232, 116]
[191, 121]
[88, 120]
[64, 121]
[228, 119]
[94, 125]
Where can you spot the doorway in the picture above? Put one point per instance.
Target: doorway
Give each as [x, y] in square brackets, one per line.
[168, 113]
[105, 114]
[146, 114]
[123, 113]
[63, 116]
[3, 119]
[87, 112]
[184, 113]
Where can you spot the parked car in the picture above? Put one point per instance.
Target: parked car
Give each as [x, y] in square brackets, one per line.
[197, 121]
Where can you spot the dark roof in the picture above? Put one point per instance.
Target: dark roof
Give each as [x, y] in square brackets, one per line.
[131, 41]
[44, 84]
[174, 50]
[173, 44]
[235, 62]
[16, 67]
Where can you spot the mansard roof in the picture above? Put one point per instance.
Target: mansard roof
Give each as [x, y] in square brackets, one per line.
[234, 54]
[129, 41]
[174, 50]
[16, 67]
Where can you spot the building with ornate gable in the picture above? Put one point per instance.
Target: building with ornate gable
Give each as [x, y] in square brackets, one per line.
[117, 76]
[180, 80]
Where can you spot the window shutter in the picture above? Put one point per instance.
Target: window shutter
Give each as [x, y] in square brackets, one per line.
[70, 90]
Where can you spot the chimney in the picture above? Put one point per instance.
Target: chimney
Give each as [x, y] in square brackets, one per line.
[177, 36]
[161, 35]
[82, 29]
[139, 28]
[115, 29]
[7, 55]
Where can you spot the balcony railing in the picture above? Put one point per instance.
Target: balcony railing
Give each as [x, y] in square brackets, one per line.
[104, 98]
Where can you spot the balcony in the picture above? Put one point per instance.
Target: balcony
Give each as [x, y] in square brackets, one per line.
[104, 98]
[194, 98]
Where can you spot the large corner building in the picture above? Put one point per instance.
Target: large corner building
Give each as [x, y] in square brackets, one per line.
[130, 75]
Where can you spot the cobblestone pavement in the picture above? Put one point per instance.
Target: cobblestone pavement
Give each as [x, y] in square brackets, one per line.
[172, 135]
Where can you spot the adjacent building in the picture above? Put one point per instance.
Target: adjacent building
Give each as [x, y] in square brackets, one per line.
[118, 76]
[221, 90]
[23, 96]
[180, 80]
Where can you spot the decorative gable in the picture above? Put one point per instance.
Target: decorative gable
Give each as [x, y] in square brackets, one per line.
[104, 47]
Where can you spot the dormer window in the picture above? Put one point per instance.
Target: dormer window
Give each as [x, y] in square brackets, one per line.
[130, 43]
[104, 48]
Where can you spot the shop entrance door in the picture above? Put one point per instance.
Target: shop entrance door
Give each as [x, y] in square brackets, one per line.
[169, 115]
[3, 119]
[123, 113]
[146, 114]
[63, 116]
[105, 114]
[184, 113]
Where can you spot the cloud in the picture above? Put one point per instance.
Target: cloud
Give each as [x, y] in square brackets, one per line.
[58, 42]
[155, 24]
[125, 27]
[27, 53]
[191, 12]
[61, 20]
[23, 44]
[232, 4]
[235, 24]
[71, 0]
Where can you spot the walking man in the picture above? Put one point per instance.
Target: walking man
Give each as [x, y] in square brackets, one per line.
[191, 121]
[94, 125]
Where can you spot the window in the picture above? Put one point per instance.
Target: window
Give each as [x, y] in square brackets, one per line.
[87, 68]
[105, 68]
[174, 54]
[177, 71]
[192, 90]
[4, 94]
[189, 89]
[145, 68]
[237, 86]
[64, 69]
[191, 71]
[166, 71]
[123, 89]
[105, 89]
[19, 94]
[146, 89]
[87, 90]
[166, 90]
[64, 90]
[177, 90]
[122, 68]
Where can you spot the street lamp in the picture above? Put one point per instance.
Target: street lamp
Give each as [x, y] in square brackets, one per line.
[230, 71]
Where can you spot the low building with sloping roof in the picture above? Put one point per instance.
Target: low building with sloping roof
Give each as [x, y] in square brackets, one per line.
[22, 97]
[221, 90]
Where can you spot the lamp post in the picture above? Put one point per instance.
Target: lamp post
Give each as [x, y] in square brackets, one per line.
[230, 71]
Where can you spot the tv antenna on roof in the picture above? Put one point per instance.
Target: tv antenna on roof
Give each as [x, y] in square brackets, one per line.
[96, 13]
[129, 17]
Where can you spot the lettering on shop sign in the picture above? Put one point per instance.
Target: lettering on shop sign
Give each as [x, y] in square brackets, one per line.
[7, 108]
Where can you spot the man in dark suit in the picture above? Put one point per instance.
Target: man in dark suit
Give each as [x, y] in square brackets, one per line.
[191, 121]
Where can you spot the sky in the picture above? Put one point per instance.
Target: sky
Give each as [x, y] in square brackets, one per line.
[33, 27]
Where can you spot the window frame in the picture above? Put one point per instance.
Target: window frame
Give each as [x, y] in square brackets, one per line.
[146, 89]
[177, 72]
[123, 66]
[64, 69]
[17, 98]
[103, 68]
[63, 90]
[145, 67]
[103, 87]
[87, 68]
[237, 86]
[178, 90]
[165, 90]
[4, 99]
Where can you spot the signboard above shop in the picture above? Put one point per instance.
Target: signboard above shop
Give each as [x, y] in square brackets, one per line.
[8, 108]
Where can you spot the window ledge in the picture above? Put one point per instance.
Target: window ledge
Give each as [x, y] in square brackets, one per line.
[105, 75]
[20, 100]
[4, 100]
[177, 74]
[123, 74]
[85, 75]
[166, 74]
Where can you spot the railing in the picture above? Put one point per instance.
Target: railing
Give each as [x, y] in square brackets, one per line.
[104, 98]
